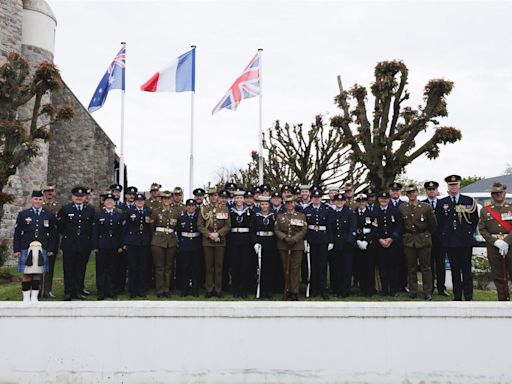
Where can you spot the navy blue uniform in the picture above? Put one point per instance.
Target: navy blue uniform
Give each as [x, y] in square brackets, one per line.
[262, 232]
[437, 252]
[342, 231]
[122, 258]
[389, 226]
[457, 231]
[365, 259]
[190, 251]
[106, 238]
[277, 210]
[75, 226]
[241, 253]
[318, 220]
[402, 264]
[137, 238]
[31, 226]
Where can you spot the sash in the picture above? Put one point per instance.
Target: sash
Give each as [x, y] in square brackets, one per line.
[505, 224]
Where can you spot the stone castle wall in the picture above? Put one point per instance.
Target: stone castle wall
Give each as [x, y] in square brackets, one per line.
[11, 16]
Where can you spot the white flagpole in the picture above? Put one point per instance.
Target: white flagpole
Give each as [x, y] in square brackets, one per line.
[121, 154]
[260, 173]
[191, 165]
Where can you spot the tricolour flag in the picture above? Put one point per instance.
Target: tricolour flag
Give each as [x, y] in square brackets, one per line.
[114, 78]
[246, 86]
[177, 76]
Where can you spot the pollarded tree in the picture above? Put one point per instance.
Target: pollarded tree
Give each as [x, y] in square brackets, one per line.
[20, 137]
[386, 144]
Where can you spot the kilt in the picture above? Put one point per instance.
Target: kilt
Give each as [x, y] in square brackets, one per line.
[24, 256]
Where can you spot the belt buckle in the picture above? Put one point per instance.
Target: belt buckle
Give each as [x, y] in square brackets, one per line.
[316, 227]
[166, 231]
[501, 236]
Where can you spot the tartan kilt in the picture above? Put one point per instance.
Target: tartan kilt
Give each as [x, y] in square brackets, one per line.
[23, 259]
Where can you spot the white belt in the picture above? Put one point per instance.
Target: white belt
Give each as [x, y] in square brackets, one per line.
[239, 230]
[164, 230]
[497, 236]
[190, 234]
[264, 233]
[317, 227]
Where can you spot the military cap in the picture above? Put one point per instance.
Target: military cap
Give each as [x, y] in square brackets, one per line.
[431, 185]
[289, 199]
[287, 187]
[265, 187]
[383, 195]
[140, 196]
[155, 187]
[498, 187]
[79, 191]
[316, 191]
[223, 193]
[116, 187]
[297, 190]
[370, 191]
[37, 193]
[249, 194]
[108, 196]
[264, 199]
[453, 179]
[361, 197]
[395, 186]
[212, 191]
[199, 192]
[230, 185]
[411, 188]
[48, 188]
[339, 196]
[177, 191]
[257, 189]
[276, 194]
[88, 191]
[348, 187]
[304, 187]
[131, 190]
[190, 202]
[239, 192]
[166, 194]
[333, 189]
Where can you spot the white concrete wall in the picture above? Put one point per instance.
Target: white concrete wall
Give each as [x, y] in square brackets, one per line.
[38, 30]
[264, 342]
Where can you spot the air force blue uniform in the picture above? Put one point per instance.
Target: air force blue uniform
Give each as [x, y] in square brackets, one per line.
[31, 226]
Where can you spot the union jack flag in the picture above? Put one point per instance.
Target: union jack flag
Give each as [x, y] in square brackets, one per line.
[114, 78]
[245, 87]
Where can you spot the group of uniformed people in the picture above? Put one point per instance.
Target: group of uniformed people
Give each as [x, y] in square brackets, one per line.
[263, 242]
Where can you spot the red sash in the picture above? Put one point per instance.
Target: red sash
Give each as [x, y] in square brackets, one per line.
[505, 224]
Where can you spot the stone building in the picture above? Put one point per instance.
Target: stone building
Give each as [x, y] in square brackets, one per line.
[79, 152]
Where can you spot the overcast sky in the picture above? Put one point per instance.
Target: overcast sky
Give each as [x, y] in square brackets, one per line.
[306, 45]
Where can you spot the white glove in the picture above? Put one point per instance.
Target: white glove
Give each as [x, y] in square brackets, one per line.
[362, 244]
[257, 247]
[366, 231]
[502, 246]
[306, 246]
[330, 246]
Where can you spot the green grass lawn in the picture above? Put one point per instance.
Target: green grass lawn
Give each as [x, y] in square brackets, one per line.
[11, 291]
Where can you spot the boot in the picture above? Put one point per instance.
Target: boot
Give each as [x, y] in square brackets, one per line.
[26, 296]
[33, 297]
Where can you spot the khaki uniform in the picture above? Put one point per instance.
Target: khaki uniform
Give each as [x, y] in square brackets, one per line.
[492, 230]
[52, 206]
[214, 218]
[351, 203]
[419, 223]
[163, 246]
[291, 224]
[153, 203]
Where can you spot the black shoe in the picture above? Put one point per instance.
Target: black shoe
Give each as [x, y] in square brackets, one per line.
[325, 296]
[132, 296]
[79, 296]
[195, 294]
[101, 297]
[444, 293]
[236, 295]
[413, 295]
[159, 295]
[184, 293]
[457, 299]
[142, 295]
[67, 297]
[85, 292]
[428, 297]
[220, 295]
[49, 296]
[208, 295]
[294, 297]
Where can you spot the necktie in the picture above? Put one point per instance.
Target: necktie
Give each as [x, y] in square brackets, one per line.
[454, 201]
[432, 203]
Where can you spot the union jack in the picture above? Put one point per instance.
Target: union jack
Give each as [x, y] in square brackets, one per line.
[245, 87]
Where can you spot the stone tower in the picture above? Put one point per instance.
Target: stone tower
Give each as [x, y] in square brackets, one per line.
[87, 158]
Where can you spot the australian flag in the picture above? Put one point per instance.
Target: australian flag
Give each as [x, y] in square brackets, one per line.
[112, 79]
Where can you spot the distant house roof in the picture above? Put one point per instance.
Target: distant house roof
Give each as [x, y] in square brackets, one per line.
[484, 185]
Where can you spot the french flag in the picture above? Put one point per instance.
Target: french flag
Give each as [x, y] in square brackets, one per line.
[177, 76]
